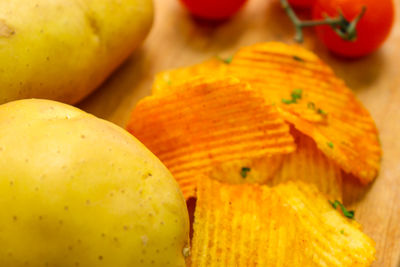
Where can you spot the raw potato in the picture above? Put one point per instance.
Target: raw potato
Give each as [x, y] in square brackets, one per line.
[63, 50]
[79, 191]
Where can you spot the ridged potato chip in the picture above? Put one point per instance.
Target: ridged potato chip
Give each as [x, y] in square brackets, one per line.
[292, 224]
[308, 164]
[204, 122]
[168, 80]
[250, 170]
[309, 95]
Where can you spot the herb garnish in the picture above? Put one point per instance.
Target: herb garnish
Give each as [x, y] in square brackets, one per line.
[348, 213]
[296, 94]
[297, 58]
[311, 105]
[330, 144]
[244, 171]
[226, 60]
[321, 112]
[287, 101]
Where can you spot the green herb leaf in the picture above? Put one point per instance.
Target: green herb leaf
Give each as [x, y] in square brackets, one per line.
[226, 60]
[330, 144]
[296, 94]
[321, 112]
[297, 58]
[287, 101]
[244, 171]
[348, 213]
[311, 105]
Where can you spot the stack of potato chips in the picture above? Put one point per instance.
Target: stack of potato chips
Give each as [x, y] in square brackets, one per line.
[261, 141]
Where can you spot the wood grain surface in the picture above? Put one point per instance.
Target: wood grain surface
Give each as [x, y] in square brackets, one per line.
[178, 40]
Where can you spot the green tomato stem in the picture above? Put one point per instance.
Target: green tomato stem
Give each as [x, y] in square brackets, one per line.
[345, 29]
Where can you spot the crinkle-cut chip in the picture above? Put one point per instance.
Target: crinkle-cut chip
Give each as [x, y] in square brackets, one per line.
[292, 224]
[205, 122]
[309, 95]
[308, 164]
[254, 170]
[166, 81]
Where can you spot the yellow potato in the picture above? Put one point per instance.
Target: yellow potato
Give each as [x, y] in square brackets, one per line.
[63, 50]
[79, 191]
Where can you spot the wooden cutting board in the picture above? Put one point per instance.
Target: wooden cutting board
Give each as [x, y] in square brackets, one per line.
[178, 40]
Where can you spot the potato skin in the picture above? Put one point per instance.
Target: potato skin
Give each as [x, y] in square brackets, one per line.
[79, 191]
[63, 50]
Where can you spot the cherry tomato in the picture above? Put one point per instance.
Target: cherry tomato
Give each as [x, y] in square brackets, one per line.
[372, 30]
[213, 9]
[301, 3]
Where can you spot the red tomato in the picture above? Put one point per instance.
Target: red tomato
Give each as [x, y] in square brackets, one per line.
[372, 30]
[213, 9]
[301, 3]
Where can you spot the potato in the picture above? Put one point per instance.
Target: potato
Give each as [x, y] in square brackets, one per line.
[63, 50]
[79, 191]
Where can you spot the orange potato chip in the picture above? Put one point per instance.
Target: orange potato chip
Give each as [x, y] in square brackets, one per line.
[205, 122]
[250, 170]
[309, 95]
[308, 164]
[166, 81]
[292, 224]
